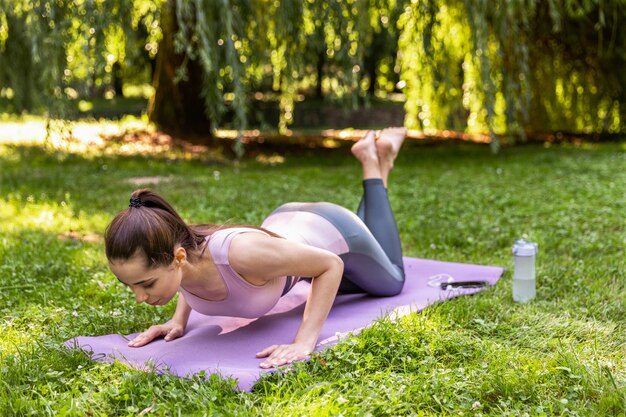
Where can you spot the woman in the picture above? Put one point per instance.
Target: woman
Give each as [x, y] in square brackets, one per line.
[243, 271]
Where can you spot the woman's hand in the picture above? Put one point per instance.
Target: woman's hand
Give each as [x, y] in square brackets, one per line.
[284, 354]
[170, 330]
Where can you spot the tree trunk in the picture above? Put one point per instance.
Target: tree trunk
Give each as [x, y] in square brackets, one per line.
[18, 48]
[176, 107]
[321, 60]
[118, 81]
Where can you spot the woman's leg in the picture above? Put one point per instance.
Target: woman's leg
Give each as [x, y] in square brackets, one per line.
[371, 252]
[367, 268]
[387, 147]
[375, 209]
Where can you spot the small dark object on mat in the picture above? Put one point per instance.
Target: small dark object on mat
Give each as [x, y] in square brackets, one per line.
[464, 284]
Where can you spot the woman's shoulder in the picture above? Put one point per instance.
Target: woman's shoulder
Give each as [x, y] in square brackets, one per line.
[232, 231]
[220, 240]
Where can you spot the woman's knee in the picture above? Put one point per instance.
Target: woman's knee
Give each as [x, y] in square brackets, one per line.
[393, 285]
[373, 275]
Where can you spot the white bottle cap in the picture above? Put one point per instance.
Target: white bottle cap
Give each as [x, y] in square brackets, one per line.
[522, 247]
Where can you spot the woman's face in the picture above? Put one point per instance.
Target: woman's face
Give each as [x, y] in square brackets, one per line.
[155, 286]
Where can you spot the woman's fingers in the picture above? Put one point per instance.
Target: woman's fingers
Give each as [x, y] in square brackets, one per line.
[273, 352]
[147, 336]
[266, 352]
[282, 355]
[175, 333]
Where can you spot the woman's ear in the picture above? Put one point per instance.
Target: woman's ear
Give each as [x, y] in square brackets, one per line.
[180, 255]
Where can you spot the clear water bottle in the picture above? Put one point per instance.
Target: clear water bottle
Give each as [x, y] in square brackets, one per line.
[524, 282]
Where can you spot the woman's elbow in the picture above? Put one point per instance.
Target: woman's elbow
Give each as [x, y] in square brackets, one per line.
[335, 264]
[338, 262]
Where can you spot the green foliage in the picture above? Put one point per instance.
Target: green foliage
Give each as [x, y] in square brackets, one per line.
[515, 67]
[508, 68]
[55, 50]
[433, 63]
[245, 45]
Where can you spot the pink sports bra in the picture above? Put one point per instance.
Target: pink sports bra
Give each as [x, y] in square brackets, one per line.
[253, 301]
[244, 299]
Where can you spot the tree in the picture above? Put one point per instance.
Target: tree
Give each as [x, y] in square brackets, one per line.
[52, 51]
[509, 68]
[177, 105]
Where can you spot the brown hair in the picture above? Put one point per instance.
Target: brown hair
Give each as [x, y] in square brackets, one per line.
[152, 226]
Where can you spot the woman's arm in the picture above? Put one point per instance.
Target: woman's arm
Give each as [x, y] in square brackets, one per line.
[181, 315]
[321, 296]
[263, 258]
[173, 329]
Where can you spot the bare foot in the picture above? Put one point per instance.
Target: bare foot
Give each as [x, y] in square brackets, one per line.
[365, 149]
[388, 145]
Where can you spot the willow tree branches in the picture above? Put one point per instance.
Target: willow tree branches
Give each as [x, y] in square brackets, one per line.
[508, 68]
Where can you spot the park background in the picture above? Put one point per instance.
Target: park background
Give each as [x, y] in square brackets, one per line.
[516, 113]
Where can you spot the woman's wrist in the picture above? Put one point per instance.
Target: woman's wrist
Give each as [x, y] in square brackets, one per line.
[309, 342]
[181, 315]
[180, 321]
[323, 292]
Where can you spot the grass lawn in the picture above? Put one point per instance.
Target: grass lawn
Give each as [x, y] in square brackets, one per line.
[562, 354]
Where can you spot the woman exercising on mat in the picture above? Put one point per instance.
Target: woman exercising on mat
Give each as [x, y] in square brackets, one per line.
[242, 271]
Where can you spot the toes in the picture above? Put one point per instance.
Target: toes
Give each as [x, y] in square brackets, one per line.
[396, 131]
[365, 145]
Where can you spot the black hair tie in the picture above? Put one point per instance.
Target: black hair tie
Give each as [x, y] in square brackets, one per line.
[135, 202]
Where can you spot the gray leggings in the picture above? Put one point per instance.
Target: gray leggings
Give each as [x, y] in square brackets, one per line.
[373, 263]
[371, 272]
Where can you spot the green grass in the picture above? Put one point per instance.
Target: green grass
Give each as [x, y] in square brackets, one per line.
[562, 354]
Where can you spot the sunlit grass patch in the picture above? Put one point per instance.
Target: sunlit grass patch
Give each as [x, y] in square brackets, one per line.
[25, 212]
[90, 138]
[27, 326]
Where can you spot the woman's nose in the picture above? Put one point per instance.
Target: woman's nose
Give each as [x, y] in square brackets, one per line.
[140, 297]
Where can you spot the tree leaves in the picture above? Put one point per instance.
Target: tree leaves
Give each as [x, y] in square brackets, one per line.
[508, 68]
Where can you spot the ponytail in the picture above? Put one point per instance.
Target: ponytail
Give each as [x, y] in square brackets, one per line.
[152, 226]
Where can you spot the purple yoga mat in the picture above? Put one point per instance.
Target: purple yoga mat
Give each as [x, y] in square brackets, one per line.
[227, 345]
